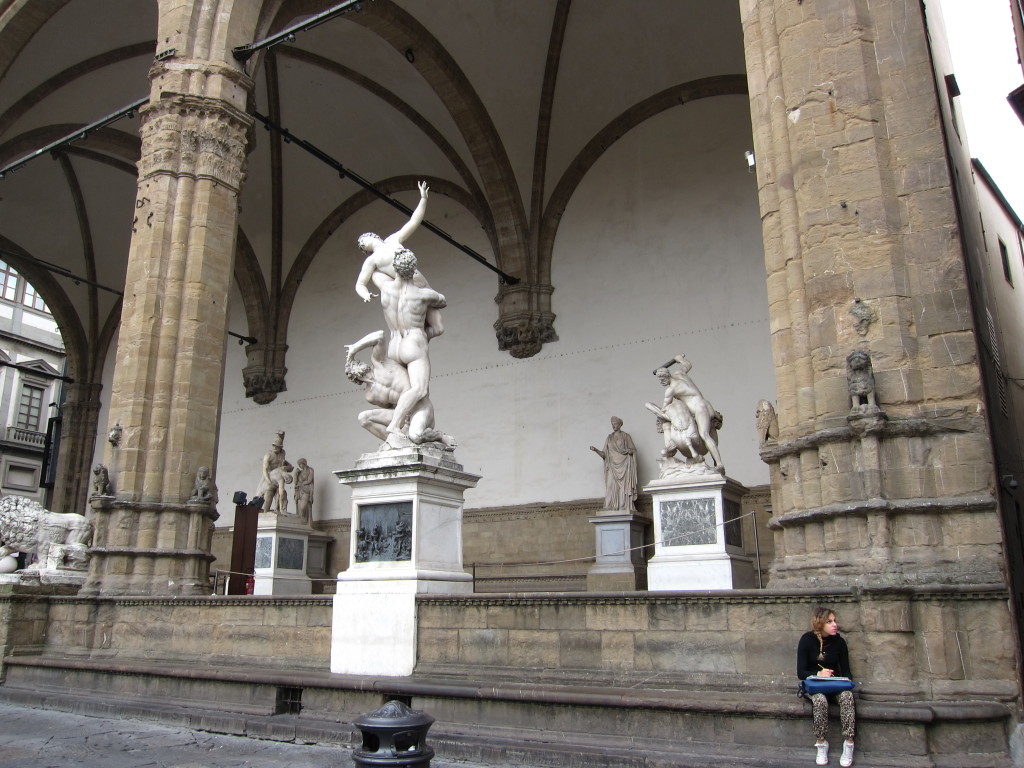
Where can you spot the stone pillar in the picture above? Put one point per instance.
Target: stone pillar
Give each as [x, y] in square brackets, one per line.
[168, 376]
[79, 416]
[862, 249]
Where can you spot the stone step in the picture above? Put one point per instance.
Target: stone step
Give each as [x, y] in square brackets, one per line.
[499, 723]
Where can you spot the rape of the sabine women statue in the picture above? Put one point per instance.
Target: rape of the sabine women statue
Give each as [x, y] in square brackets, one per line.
[687, 421]
[398, 378]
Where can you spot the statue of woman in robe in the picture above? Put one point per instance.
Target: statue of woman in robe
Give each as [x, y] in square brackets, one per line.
[619, 456]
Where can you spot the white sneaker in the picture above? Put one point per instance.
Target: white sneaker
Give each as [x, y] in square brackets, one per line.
[847, 759]
[822, 758]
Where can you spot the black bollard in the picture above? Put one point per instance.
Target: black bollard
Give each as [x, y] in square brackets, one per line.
[394, 735]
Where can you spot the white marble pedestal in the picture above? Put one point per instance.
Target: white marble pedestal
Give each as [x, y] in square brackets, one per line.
[406, 541]
[696, 547]
[282, 544]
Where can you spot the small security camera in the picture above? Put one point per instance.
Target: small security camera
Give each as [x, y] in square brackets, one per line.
[1010, 482]
[750, 158]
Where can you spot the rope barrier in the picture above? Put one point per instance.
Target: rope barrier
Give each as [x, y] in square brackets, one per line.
[666, 541]
[617, 552]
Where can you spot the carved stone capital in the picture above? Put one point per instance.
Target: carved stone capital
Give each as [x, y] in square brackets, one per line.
[525, 320]
[265, 375]
[524, 337]
[187, 135]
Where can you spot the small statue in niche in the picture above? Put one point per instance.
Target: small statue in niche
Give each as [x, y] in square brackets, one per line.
[304, 491]
[860, 379]
[276, 475]
[767, 423]
[203, 490]
[101, 481]
[619, 456]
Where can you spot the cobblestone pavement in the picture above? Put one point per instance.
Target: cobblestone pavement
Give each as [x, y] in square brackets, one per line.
[40, 738]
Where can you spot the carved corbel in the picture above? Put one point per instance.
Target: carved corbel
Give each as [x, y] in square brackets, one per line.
[525, 321]
[264, 376]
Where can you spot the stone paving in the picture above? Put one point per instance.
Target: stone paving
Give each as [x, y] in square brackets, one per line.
[39, 738]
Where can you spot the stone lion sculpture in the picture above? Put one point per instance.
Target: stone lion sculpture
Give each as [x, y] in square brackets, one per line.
[767, 423]
[60, 540]
[101, 481]
[860, 379]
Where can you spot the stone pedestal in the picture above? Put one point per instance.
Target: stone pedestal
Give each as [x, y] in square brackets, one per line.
[149, 548]
[45, 578]
[406, 540]
[696, 545]
[282, 543]
[620, 565]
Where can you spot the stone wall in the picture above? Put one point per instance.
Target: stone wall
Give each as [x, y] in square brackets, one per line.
[920, 645]
[905, 645]
[293, 633]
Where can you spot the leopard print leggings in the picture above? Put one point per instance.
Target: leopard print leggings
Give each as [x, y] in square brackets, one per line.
[847, 715]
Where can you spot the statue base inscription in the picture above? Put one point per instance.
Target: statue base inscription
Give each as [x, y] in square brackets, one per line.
[619, 565]
[406, 541]
[282, 542]
[698, 536]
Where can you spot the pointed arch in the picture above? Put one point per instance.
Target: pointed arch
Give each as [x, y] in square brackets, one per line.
[678, 95]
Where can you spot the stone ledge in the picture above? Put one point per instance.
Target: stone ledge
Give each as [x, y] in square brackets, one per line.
[941, 505]
[913, 427]
[205, 601]
[748, 703]
[509, 723]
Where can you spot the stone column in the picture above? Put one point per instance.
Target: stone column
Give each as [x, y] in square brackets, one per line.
[862, 249]
[168, 376]
[79, 416]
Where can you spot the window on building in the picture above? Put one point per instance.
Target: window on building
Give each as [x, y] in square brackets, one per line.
[31, 298]
[1004, 256]
[8, 282]
[30, 407]
[13, 287]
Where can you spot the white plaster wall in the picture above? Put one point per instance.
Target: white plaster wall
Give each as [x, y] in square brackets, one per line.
[659, 252]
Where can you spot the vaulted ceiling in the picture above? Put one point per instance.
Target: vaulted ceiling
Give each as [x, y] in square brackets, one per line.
[503, 106]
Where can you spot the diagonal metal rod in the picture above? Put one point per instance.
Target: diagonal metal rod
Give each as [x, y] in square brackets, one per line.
[128, 111]
[80, 135]
[319, 154]
[244, 52]
[59, 271]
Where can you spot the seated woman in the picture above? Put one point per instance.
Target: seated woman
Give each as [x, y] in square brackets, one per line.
[823, 652]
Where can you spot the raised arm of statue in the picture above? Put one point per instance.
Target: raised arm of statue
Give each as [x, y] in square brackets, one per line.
[415, 220]
[381, 253]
